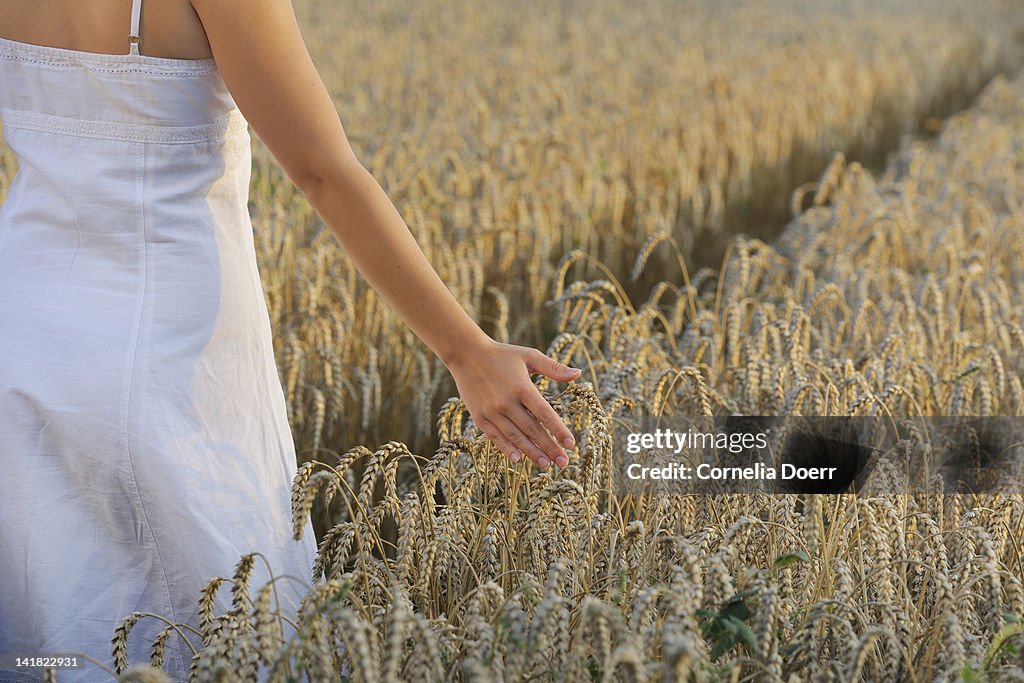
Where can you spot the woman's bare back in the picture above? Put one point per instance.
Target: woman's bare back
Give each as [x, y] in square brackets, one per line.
[169, 28]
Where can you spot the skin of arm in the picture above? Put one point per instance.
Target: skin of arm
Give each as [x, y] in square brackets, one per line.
[266, 67]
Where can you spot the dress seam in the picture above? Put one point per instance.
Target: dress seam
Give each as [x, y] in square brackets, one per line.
[226, 126]
[86, 61]
[129, 377]
[14, 206]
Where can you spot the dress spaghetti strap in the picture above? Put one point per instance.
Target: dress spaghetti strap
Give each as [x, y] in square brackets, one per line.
[134, 37]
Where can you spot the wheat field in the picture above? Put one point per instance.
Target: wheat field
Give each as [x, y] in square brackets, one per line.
[787, 209]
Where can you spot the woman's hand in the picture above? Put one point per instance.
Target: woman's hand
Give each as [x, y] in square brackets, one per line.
[494, 383]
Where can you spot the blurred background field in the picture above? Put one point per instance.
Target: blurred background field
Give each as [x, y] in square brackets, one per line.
[509, 134]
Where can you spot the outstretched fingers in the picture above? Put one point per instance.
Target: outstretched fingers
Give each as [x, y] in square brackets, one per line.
[539, 363]
[525, 432]
[521, 441]
[524, 424]
[541, 412]
[504, 445]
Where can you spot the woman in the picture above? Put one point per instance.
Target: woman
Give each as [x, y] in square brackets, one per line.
[144, 444]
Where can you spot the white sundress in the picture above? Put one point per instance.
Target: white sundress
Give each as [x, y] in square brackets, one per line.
[144, 441]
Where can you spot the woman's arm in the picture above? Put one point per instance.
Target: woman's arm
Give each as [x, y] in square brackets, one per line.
[267, 68]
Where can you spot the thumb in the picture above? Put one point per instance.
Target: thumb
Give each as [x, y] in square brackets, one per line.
[545, 365]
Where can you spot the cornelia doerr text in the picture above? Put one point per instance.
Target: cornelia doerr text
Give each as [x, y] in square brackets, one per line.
[680, 471]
